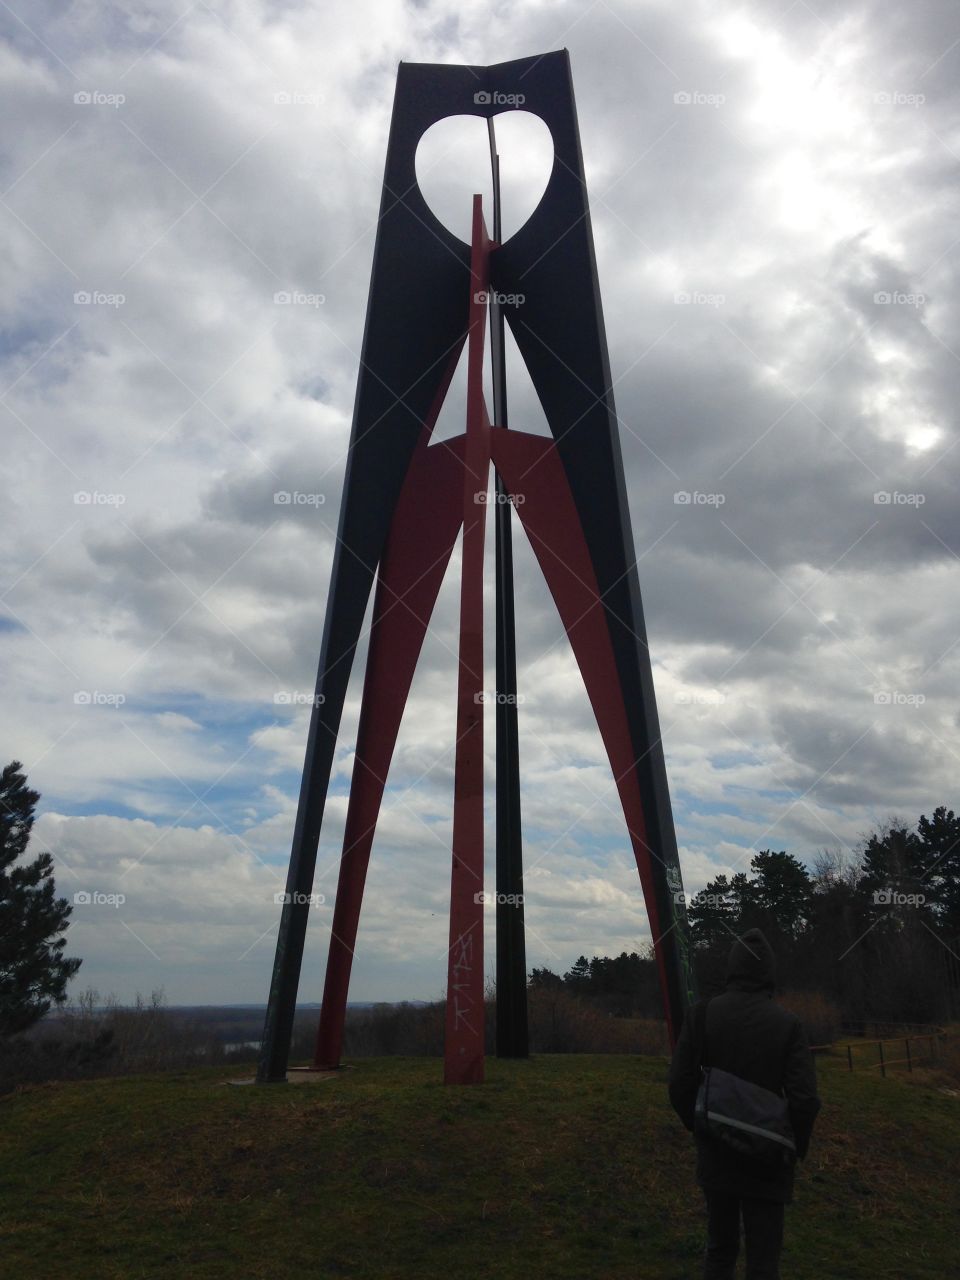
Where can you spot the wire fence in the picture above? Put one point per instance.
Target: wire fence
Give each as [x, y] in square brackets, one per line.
[911, 1045]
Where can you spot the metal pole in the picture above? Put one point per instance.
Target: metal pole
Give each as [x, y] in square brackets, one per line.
[512, 1028]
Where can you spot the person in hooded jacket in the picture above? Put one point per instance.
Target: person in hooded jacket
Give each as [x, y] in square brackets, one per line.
[747, 1034]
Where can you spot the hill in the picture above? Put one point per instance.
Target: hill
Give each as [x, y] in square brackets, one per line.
[562, 1166]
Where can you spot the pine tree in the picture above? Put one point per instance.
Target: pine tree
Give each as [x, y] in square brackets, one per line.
[578, 978]
[33, 970]
[937, 867]
[782, 894]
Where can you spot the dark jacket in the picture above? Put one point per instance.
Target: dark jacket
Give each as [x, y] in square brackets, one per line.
[752, 1037]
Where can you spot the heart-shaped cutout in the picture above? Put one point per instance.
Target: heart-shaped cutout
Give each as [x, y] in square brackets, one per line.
[453, 165]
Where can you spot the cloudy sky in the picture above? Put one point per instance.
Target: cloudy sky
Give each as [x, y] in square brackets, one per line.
[775, 205]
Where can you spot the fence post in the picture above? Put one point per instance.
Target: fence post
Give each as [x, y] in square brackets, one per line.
[883, 1069]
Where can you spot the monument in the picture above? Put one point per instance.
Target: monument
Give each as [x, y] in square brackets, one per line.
[405, 503]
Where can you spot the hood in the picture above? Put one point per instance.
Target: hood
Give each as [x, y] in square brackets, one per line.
[751, 965]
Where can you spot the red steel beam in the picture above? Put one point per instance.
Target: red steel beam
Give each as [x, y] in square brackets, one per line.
[463, 1041]
[535, 479]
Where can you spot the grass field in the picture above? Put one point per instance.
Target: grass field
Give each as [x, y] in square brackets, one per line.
[562, 1166]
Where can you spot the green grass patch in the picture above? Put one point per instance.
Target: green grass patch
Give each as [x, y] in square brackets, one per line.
[562, 1166]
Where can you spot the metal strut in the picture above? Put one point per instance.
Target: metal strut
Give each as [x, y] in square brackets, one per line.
[512, 1034]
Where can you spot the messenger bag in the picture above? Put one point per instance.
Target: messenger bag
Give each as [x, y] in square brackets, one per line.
[743, 1116]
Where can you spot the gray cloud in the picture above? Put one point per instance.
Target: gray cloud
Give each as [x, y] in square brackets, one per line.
[811, 173]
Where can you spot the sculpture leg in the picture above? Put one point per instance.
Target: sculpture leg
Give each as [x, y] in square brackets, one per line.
[532, 472]
[422, 536]
[464, 1037]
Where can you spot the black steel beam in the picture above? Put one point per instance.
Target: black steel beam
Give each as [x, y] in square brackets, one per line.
[511, 1021]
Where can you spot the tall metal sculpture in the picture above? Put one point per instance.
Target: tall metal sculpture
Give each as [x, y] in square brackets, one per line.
[405, 503]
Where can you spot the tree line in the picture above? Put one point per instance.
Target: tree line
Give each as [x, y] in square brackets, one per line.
[876, 932]
[867, 936]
